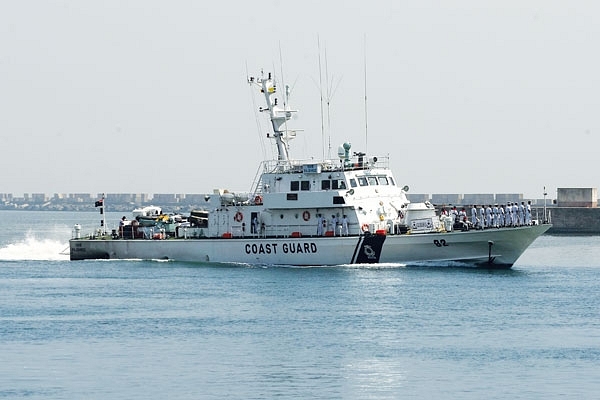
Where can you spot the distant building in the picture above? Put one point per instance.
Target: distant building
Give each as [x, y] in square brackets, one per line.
[126, 198]
[439, 199]
[479, 198]
[577, 197]
[84, 198]
[417, 197]
[194, 199]
[504, 198]
[164, 198]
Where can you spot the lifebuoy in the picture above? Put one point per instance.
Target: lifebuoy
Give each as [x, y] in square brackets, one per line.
[258, 199]
[238, 216]
[365, 227]
[306, 215]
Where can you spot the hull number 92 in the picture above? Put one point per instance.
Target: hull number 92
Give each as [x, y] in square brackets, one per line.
[440, 243]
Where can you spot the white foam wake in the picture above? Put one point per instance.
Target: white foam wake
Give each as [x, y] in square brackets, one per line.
[32, 248]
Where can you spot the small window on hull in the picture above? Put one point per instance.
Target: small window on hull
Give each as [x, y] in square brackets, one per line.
[338, 200]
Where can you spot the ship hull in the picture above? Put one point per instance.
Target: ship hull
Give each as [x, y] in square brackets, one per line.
[491, 247]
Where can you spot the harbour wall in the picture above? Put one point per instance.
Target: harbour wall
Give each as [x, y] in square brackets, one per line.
[573, 220]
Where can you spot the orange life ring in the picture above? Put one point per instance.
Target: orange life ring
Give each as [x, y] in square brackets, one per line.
[306, 215]
[238, 216]
[258, 199]
[365, 227]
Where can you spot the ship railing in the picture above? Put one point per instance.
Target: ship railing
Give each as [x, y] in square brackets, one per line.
[299, 230]
[311, 165]
[256, 188]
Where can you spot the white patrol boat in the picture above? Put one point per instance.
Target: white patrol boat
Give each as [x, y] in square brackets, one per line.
[333, 212]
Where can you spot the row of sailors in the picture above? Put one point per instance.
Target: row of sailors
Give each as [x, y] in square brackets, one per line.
[338, 226]
[511, 214]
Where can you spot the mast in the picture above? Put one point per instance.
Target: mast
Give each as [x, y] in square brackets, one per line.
[321, 98]
[366, 116]
[278, 115]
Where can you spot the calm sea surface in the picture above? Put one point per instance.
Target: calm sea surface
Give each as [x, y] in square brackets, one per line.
[169, 330]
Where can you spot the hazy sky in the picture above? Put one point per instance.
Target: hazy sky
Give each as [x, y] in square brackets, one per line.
[151, 96]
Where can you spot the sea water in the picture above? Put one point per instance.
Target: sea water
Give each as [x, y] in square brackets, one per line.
[169, 330]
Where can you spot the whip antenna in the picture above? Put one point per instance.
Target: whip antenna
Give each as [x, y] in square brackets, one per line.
[366, 116]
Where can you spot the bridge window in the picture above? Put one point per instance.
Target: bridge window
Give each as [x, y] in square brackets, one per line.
[326, 184]
[294, 186]
[383, 180]
[352, 182]
[304, 185]
[362, 181]
[338, 184]
[372, 181]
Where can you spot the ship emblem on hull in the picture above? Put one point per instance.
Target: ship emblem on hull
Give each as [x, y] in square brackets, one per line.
[368, 249]
[369, 252]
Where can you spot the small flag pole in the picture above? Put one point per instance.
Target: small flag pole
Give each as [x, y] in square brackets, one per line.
[100, 203]
[102, 210]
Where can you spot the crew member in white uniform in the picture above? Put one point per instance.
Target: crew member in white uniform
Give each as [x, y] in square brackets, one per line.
[320, 225]
[462, 216]
[454, 215]
[488, 216]
[474, 215]
[344, 225]
[495, 216]
[522, 213]
[482, 216]
[333, 224]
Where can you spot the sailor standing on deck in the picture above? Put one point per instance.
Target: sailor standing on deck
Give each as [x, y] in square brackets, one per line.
[515, 214]
[488, 216]
[462, 217]
[122, 223]
[522, 213]
[454, 215]
[333, 224]
[508, 215]
[344, 225]
[501, 215]
[320, 225]
[474, 215]
[482, 216]
[495, 216]
[528, 213]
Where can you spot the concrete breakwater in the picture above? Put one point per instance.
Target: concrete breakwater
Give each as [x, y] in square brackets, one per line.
[573, 220]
